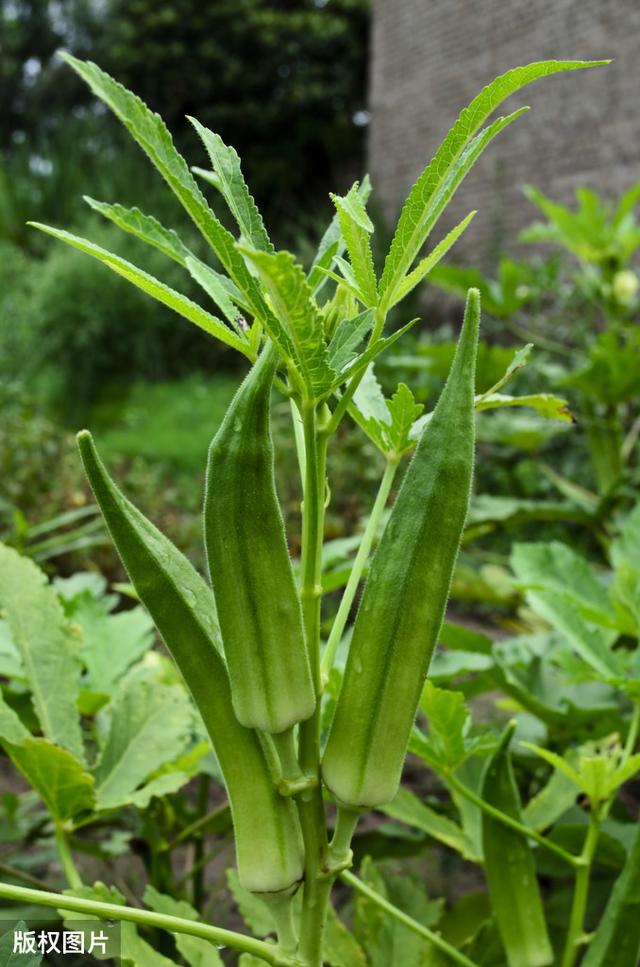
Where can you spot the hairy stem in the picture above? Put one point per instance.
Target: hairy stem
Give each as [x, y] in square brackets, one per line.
[409, 922]
[355, 576]
[64, 853]
[111, 911]
[501, 817]
[317, 886]
[575, 934]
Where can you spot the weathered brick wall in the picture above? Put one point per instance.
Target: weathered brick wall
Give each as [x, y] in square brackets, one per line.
[430, 57]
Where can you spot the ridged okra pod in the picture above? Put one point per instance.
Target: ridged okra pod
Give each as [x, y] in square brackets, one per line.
[267, 834]
[405, 596]
[510, 868]
[258, 604]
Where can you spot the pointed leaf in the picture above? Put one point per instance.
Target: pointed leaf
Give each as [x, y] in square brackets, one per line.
[429, 262]
[48, 651]
[226, 166]
[407, 808]
[152, 286]
[332, 244]
[452, 161]
[220, 289]
[546, 404]
[57, 776]
[356, 228]
[347, 337]
[145, 227]
[370, 353]
[150, 132]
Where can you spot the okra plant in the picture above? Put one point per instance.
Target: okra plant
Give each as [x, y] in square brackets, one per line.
[247, 642]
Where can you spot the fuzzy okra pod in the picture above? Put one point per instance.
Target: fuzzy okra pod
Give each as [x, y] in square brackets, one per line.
[267, 833]
[405, 596]
[510, 868]
[258, 604]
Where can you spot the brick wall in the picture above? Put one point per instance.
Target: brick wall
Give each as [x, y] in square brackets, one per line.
[430, 57]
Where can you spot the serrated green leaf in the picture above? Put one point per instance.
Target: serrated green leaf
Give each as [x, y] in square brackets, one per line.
[58, 777]
[429, 262]
[455, 156]
[150, 725]
[254, 911]
[221, 290]
[111, 642]
[49, 653]
[546, 404]
[347, 337]
[600, 770]
[370, 353]
[144, 227]
[340, 948]
[356, 228]
[8, 958]
[332, 244]
[232, 186]
[299, 314]
[448, 719]
[150, 132]
[407, 808]
[403, 411]
[152, 286]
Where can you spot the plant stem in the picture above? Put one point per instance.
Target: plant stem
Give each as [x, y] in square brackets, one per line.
[340, 846]
[111, 911]
[198, 825]
[501, 817]
[575, 933]
[350, 590]
[632, 734]
[405, 919]
[7, 870]
[317, 885]
[64, 853]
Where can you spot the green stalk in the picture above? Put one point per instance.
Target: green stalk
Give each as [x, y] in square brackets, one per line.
[147, 918]
[632, 734]
[408, 921]
[454, 783]
[317, 882]
[64, 852]
[349, 594]
[340, 847]
[575, 934]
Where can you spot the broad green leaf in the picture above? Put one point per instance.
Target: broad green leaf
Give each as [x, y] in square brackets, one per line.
[356, 228]
[455, 156]
[10, 661]
[546, 404]
[554, 566]
[49, 652]
[152, 286]
[548, 805]
[347, 337]
[145, 227]
[149, 130]
[160, 786]
[625, 548]
[388, 423]
[196, 951]
[407, 808]
[298, 312]
[7, 956]
[332, 244]
[340, 947]
[12, 729]
[232, 186]
[403, 411]
[616, 941]
[448, 719]
[58, 777]
[111, 642]
[429, 262]
[150, 725]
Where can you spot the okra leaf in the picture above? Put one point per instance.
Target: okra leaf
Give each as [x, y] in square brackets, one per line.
[430, 261]
[387, 422]
[298, 312]
[149, 130]
[347, 337]
[448, 719]
[8, 957]
[332, 244]
[370, 353]
[553, 800]
[196, 951]
[356, 228]
[616, 941]
[150, 725]
[232, 186]
[111, 642]
[49, 652]
[59, 778]
[152, 286]
[453, 159]
[546, 404]
[144, 227]
[221, 290]
[407, 808]
[598, 769]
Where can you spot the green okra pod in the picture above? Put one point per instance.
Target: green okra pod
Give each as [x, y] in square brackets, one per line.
[405, 596]
[267, 834]
[258, 604]
[510, 868]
